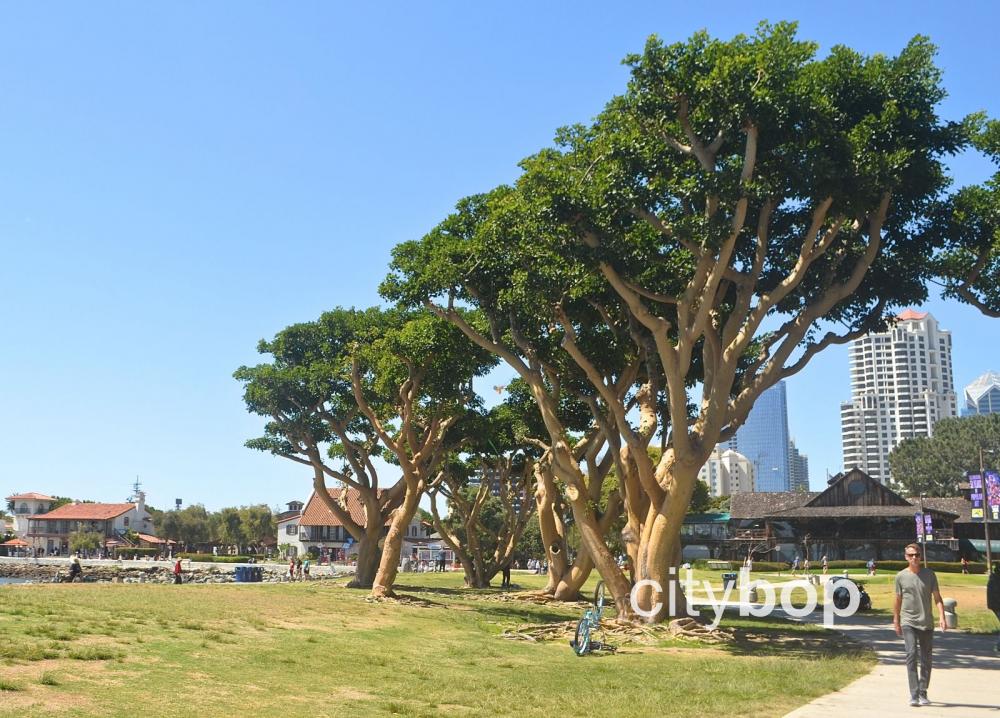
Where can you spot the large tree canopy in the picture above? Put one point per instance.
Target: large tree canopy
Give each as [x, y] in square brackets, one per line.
[935, 466]
[967, 225]
[741, 207]
[356, 385]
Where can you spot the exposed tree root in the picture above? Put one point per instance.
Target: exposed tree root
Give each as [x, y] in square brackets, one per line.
[402, 600]
[623, 631]
[690, 629]
[536, 597]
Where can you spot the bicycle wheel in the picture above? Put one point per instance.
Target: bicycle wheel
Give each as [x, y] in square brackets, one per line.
[599, 596]
[581, 644]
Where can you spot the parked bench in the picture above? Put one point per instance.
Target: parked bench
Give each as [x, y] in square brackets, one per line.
[720, 565]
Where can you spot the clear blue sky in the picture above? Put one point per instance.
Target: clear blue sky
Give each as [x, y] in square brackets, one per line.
[179, 180]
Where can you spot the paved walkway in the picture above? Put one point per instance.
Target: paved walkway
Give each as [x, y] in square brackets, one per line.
[965, 680]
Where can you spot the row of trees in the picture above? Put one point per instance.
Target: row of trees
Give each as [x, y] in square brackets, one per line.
[741, 207]
[192, 525]
[935, 466]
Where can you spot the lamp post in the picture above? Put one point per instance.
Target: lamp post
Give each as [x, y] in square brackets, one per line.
[986, 509]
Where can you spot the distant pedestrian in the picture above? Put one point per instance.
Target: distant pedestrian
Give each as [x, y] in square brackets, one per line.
[75, 571]
[177, 572]
[871, 567]
[805, 565]
[291, 569]
[795, 564]
[965, 565]
[298, 568]
[305, 569]
[913, 619]
[993, 597]
[505, 583]
[826, 564]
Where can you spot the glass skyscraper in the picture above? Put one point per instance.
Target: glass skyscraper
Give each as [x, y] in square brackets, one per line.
[763, 439]
[983, 395]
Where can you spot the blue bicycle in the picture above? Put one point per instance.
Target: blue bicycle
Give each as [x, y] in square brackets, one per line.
[582, 644]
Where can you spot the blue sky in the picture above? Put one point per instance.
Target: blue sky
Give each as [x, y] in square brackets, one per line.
[179, 180]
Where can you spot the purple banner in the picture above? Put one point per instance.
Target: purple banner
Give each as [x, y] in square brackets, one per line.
[993, 495]
[928, 528]
[920, 524]
[976, 496]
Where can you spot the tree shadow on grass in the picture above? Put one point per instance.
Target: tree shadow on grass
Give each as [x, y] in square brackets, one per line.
[522, 614]
[407, 600]
[440, 590]
[792, 644]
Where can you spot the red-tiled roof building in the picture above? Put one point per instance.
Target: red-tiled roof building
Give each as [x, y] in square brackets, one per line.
[317, 529]
[48, 531]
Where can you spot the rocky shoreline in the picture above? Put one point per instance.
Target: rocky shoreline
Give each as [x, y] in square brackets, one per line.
[125, 573]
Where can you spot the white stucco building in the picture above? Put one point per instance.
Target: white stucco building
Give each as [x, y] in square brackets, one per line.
[24, 506]
[48, 531]
[727, 472]
[316, 528]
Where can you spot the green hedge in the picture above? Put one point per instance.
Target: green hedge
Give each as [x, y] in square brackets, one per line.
[124, 553]
[212, 558]
[895, 565]
[838, 566]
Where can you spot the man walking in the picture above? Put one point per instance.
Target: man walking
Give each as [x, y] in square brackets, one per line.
[913, 619]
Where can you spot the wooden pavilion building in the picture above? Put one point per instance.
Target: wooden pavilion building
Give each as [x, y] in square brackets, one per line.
[855, 518]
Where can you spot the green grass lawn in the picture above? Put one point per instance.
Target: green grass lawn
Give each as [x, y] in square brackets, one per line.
[318, 649]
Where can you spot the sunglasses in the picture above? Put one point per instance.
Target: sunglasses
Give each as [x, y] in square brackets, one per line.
[913, 555]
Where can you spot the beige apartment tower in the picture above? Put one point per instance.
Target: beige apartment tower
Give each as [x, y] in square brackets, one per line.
[901, 385]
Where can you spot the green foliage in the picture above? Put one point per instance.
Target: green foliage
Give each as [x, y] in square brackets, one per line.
[967, 224]
[211, 558]
[744, 180]
[701, 499]
[489, 525]
[530, 545]
[935, 466]
[85, 541]
[190, 525]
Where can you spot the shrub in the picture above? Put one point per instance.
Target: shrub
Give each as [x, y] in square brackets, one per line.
[212, 558]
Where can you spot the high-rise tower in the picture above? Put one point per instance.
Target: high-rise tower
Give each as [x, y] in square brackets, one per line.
[798, 469]
[763, 439]
[901, 385]
[982, 396]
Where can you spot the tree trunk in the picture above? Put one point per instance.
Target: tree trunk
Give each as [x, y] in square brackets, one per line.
[368, 561]
[660, 545]
[553, 533]
[389, 565]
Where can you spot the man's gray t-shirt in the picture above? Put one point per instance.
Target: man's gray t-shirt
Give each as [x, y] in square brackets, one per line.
[917, 590]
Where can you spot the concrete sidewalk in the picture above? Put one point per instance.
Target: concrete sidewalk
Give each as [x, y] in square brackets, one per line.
[965, 680]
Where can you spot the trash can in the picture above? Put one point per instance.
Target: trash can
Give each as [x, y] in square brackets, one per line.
[950, 615]
[729, 579]
[258, 574]
[241, 574]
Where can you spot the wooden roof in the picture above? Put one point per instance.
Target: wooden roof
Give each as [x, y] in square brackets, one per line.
[850, 494]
